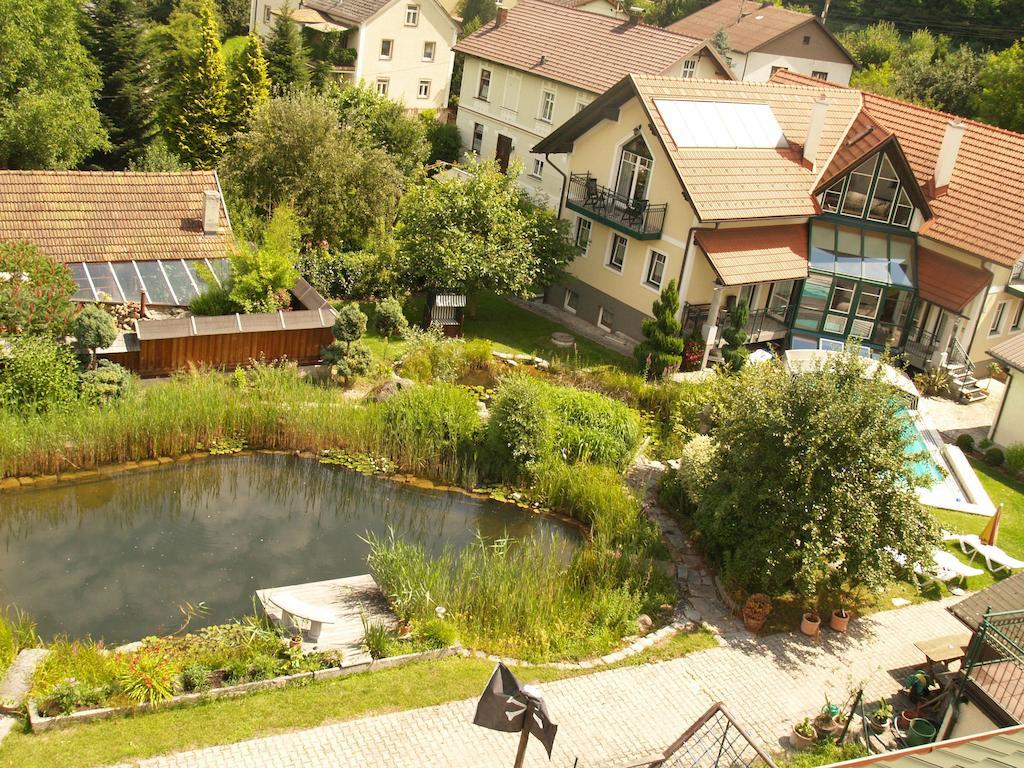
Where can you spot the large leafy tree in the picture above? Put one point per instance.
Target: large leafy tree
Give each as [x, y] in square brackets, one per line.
[115, 31]
[467, 234]
[35, 292]
[197, 111]
[48, 118]
[344, 192]
[382, 122]
[1001, 100]
[287, 60]
[813, 487]
[250, 86]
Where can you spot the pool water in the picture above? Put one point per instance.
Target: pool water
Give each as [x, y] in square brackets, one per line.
[923, 467]
[115, 558]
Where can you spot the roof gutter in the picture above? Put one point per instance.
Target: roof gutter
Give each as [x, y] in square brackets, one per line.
[565, 182]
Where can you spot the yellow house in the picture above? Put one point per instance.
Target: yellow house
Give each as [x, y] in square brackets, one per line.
[764, 38]
[538, 64]
[1008, 428]
[403, 48]
[829, 212]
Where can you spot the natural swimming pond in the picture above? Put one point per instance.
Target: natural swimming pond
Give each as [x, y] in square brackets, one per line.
[114, 558]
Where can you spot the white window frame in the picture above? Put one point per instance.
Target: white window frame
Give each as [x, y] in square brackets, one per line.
[537, 171]
[383, 85]
[601, 321]
[484, 92]
[581, 105]
[565, 301]
[580, 222]
[391, 49]
[423, 90]
[412, 15]
[547, 106]
[818, 74]
[1015, 323]
[267, 13]
[996, 328]
[651, 253]
[689, 69]
[433, 50]
[473, 145]
[610, 262]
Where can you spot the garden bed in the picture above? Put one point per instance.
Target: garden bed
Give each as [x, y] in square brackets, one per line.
[38, 722]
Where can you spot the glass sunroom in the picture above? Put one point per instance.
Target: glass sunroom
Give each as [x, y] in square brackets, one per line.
[167, 282]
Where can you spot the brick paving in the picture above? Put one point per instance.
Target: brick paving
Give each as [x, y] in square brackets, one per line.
[611, 718]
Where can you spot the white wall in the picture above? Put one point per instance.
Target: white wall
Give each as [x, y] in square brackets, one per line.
[757, 66]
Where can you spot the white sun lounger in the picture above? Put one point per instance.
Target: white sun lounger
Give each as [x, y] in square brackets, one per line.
[995, 558]
[946, 569]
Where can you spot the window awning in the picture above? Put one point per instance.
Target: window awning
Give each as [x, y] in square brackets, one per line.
[756, 254]
[314, 19]
[947, 282]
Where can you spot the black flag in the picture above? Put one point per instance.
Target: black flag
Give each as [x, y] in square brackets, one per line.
[504, 704]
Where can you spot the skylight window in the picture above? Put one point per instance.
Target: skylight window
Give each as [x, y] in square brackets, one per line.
[723, 124]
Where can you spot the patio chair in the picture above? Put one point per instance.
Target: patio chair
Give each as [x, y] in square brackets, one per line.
[996, 560]
[635, 212]
[593, 195]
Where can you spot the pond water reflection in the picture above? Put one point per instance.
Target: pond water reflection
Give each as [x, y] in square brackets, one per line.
[115, 558]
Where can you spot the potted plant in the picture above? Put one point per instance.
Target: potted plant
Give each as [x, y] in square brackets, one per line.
[756, 610]
[840, 619]
[826, 723]
[880, 716]
[803, 734]
[810, 625]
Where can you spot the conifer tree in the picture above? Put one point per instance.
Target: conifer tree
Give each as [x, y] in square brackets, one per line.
[197, 113]
[735, 336]
[661, 351]
[113, 35]
[286, 54]
[250, 86]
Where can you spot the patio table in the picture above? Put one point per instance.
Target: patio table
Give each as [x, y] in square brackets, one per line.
[943, 650]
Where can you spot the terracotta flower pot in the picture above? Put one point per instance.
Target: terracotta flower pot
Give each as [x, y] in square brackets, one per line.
[840, 620]
[754, 624]
[878, 727]
[825, 726]
[905, 716]
[798, 741]
[810, 624]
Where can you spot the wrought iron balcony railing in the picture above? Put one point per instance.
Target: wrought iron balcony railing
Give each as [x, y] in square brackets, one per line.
[631, 216]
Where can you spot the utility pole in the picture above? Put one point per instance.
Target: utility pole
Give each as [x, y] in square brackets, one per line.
[824, 11]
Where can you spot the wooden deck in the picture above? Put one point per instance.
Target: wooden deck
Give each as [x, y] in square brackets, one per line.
[347, 599]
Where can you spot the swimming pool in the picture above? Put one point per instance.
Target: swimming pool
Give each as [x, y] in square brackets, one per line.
[924, 467]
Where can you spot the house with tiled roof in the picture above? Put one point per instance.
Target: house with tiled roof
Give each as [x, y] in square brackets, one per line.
[829, 212]
[1008, 427]
[122, 233]
[764, 38]
[401, 48]
[539, 63]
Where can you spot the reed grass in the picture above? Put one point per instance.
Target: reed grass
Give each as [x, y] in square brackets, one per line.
[17, 631]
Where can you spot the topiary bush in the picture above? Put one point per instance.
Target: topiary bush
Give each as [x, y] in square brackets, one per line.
[93, 328]
[389, 319]
[350, 325]
[107, 381]
[965, 442]
[994, 457]
[1015, 458]
[348, 357]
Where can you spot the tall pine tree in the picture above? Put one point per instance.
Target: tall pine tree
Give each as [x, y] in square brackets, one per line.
[286, 54]
[197, 110]
[250, 86]
[114, 30]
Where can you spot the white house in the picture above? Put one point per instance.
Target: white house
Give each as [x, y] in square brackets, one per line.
[403, 48]
[537, 64]
[764, 38]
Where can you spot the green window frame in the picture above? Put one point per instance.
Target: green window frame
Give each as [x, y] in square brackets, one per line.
[872, 191]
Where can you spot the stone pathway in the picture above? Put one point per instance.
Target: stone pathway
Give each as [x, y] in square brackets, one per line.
[608, 719]
[16, 684]
[952, 418]
[613, 341]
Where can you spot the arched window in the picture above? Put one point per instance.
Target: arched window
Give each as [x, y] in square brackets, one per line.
[634, 170]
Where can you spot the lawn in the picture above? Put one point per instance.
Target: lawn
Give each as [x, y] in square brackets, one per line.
[510, 328]
[264, 713]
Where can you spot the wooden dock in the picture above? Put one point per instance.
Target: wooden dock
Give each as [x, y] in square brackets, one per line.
[348, 599]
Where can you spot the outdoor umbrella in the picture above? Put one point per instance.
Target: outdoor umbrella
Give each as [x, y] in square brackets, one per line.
[507, 706]
[991, 532]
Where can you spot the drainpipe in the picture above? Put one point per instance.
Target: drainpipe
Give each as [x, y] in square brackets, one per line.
[565, 181]
[684, 271]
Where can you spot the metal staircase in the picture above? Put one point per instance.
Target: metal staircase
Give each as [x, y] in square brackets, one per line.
[962, 382]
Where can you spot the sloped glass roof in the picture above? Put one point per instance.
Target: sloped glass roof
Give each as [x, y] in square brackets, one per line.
[170, 282]
[721, 124]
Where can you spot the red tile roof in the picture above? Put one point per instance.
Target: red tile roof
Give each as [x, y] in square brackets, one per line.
[111, 216]
[587, 50]
[1011, 352]
[947, 282]
[756, 254]
[748, 24]
[983, 205]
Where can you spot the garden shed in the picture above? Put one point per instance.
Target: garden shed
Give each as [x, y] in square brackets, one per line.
[447, 310]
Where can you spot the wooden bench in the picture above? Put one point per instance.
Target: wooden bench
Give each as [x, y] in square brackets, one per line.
[293, 608]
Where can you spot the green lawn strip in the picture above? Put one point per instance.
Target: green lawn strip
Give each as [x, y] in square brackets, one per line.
[509, 328]
[227, 721]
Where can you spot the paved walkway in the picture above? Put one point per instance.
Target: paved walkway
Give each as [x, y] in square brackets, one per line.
[609, 718]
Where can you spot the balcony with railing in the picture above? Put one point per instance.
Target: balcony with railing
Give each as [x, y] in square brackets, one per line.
[1016, 284]
[635, 217]
[765, 324]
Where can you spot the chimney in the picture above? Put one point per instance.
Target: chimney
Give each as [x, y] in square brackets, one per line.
[950, 148]
[501, 16]
[635, 13]
[211, 213]
[814, 128]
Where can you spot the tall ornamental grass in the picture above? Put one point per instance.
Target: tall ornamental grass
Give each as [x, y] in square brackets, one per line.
[17, 631]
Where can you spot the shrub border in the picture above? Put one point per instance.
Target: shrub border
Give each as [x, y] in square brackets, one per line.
[38, 723]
